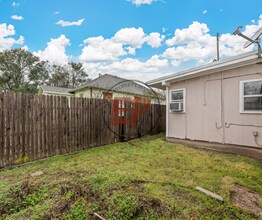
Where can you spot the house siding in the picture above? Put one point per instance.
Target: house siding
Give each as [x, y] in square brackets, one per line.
[56, 94]
[210, 103]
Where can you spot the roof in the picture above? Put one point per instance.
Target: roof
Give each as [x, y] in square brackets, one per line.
[110, 83]
[105, 81]
[222, 65]
[53, 89]
[115, 83]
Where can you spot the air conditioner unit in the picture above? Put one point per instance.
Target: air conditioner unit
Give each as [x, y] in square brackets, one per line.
[176, 107]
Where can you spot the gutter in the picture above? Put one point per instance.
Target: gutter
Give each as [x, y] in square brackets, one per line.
[235, 62]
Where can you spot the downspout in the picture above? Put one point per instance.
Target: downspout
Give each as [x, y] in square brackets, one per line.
[222, 108]
[185, 98]
[167, 109]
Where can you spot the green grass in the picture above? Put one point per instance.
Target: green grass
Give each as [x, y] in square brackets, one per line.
[142, 179]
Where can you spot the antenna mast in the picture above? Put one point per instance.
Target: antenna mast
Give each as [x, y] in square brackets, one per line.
[218, 56]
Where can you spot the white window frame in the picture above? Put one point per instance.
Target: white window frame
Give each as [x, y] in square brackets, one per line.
[242, 96]
[184, 100]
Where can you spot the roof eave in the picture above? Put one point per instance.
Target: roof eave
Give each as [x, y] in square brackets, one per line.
[251, 58]
[58, 93]
[208, 71]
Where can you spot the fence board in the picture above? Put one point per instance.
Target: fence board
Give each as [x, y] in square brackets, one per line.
[34, 127]
[1, 131]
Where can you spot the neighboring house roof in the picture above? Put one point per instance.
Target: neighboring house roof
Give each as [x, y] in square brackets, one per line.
[53, 89]
[108, 82]
[230, 63]
[118, 84]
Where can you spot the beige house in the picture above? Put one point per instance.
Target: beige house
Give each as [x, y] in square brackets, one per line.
[52, 90]
[219, 102]
[108, 87]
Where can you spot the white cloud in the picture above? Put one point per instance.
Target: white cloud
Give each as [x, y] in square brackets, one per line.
[17, 17]
[99, 49]
[6, 41]
[164, 29]
[131, 50]
[154, 39]
[130, 65]
[136, 37]
[124, 42]
[15, 4]
[56, 12]
[260, 21]
[130, 36]
[70, 23]
[25, 48]
[195, 43]
[6, 30]
[55, 52]
[175, 63]
[129, 68]
[204, 12]
[156, 62]
[195, 32]
[192, 43]
[135, 66]
[141, 2]
[253, 21]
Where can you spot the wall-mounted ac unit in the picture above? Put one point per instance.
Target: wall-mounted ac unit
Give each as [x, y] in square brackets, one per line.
[176, 107]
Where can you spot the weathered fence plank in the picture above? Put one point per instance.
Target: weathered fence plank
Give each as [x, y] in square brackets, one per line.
[34, 127]
[1, 131]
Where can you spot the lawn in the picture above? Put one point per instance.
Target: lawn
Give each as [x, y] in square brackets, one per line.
[146, 178]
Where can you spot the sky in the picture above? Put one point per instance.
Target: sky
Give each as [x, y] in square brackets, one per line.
[134, 39]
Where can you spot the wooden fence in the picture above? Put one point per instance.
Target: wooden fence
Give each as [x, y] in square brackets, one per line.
[34, 127]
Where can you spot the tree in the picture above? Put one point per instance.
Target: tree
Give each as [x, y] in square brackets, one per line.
[68, 76]
[1, 83]
[21, 71]
[59, 76]
[78, 75]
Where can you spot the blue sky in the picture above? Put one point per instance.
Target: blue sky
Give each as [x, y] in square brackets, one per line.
[135, 39]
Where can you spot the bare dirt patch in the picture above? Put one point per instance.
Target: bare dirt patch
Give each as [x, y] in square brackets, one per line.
[13, 201]
[247, 199]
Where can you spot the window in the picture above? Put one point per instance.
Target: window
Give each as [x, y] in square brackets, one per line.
[251, 96]
[119, 106]
[177, 100]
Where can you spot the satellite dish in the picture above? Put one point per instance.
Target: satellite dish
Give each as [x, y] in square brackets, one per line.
[255, 38]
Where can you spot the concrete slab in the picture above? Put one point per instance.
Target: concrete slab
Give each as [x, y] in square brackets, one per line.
[255, 153]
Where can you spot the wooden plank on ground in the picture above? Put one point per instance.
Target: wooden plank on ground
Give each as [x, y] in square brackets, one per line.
[209, 193]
